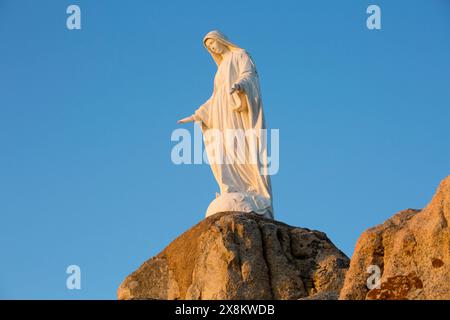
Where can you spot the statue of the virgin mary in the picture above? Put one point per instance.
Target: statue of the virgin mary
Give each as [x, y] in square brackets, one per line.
[235, 110]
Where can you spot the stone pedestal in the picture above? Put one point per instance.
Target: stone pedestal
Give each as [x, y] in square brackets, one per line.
[240, 202]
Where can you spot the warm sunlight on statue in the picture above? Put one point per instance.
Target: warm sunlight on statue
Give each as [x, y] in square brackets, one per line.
[235, 110]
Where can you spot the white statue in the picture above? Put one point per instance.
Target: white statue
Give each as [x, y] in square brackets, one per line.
[235, 106]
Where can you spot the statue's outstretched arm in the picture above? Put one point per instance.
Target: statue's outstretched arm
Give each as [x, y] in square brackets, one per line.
[187, 119]
[199, 115]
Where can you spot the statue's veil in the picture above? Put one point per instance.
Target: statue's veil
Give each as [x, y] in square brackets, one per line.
[219, 36]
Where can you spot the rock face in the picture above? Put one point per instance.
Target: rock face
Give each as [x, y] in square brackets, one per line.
[412, 251]
[241, 256]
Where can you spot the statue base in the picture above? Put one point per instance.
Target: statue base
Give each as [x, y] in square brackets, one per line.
[241, 202]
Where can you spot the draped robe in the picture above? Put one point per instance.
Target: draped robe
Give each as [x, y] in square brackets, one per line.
[242, 110]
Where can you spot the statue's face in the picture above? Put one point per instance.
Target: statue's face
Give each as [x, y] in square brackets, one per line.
[216, 46]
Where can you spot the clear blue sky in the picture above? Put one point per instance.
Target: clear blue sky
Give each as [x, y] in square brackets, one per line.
[86, 118]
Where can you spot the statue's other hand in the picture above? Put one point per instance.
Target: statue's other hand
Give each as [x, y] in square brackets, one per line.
[239, 109]
[186, 120]
[235, 87]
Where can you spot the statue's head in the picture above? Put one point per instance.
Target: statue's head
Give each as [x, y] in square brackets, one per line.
[217, 44]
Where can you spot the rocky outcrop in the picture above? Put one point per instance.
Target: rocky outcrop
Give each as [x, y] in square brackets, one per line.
[412, 252]
[241, 256]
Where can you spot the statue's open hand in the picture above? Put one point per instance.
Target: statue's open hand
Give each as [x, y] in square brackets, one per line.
[236, 87]
[187, 119]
